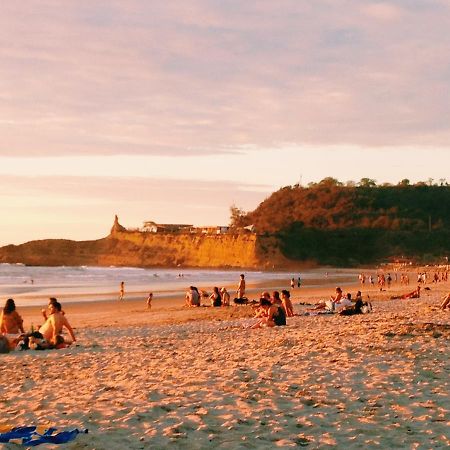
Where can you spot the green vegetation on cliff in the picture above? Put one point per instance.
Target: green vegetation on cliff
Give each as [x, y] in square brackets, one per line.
[332, 223]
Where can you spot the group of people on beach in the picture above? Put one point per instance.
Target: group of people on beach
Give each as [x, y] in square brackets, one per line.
[344, 304]
[273, 310]
[218, 297]
[47, 336]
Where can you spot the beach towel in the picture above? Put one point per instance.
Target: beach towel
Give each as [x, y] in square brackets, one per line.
[32, 436]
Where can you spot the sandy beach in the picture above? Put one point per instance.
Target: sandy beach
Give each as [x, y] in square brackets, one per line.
[195, 378]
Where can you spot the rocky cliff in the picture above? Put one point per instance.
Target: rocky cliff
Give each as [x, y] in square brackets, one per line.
[134, 248]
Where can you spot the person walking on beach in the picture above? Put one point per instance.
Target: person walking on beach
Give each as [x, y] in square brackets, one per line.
[299, 281]
[149, 300]
[122, 290]
[241, 287]
[292, 283]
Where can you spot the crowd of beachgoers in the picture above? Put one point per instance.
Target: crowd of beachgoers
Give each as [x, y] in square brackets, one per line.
[271, 310]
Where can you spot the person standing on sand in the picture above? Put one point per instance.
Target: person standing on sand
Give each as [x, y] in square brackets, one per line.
[292, 283]
[299, 281]
[122, 290]
[149, 300]
[241, 287]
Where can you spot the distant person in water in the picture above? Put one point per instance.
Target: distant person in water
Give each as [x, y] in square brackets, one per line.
[149, 300]
[241, 287]
[122, 290]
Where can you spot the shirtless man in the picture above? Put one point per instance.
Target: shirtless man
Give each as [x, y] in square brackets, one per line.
[241, 287]
[53, 326]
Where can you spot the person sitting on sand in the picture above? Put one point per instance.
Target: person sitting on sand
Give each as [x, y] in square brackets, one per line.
[11, 324]
[445, 302]
[357, 307]
[287, 304]
[192, 297]
[216, 299]
[276, 300]
[225, 297]
[10, 320]
[330, 304]
[51, 301]
[54, 324]
[413, 294]
[270, 315]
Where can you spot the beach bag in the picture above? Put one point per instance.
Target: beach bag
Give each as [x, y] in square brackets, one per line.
[4, 345]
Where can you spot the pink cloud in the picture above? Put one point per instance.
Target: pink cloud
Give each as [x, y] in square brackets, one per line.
[207, 77]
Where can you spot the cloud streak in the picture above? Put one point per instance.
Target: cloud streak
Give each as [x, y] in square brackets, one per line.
[204, 77]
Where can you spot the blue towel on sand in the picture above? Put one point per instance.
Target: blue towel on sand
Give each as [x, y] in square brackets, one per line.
[32, 436]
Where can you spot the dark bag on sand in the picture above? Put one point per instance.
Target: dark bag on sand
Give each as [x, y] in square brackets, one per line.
[240, 300]
[4, 345]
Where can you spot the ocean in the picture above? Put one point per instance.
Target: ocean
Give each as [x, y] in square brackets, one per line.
[32, 285]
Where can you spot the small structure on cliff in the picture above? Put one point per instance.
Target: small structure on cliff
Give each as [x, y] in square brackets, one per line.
[152, 227]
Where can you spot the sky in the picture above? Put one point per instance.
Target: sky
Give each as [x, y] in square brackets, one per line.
[175, 111]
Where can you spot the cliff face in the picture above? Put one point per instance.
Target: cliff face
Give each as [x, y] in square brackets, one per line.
[127, 248]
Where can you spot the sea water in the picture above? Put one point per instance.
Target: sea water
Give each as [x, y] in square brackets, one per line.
[29, 285]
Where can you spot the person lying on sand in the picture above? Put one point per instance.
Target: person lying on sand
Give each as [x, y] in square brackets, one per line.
[413, 294]
[445, 302]
[269, 315]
